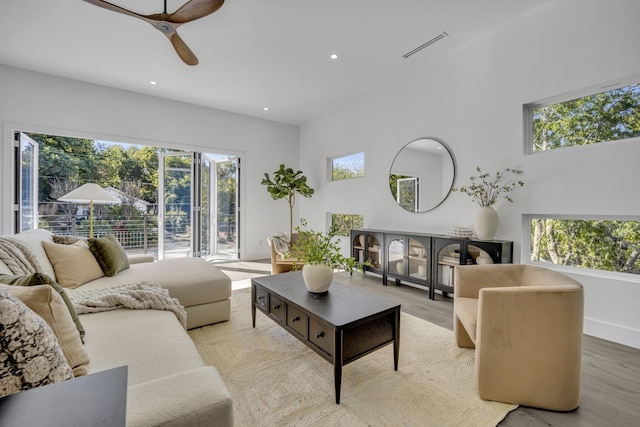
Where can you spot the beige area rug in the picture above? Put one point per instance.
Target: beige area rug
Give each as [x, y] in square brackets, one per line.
[275, 380]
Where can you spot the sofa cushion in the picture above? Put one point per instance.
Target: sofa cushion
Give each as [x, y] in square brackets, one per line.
[110, 254]
[151, 342]
[74, 264]
[30, 355]
[467, 311]
[42, 279]
[197, 397]
[193, 281]
[48, 304]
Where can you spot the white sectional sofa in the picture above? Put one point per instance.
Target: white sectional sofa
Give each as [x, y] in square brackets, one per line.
[168, 382]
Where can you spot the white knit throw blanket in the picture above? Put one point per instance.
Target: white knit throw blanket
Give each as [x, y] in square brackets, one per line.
[281, 243]
[18, 257]
[143, 295]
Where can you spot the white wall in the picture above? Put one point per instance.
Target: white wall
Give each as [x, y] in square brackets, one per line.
[37, 102]
[472, 99]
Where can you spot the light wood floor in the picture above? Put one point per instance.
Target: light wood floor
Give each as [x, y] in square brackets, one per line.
[610, 371]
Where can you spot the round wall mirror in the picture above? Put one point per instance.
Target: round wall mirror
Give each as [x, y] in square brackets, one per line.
[422, 175]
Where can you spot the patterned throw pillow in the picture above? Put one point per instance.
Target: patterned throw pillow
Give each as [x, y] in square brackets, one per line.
[36, 279]
[48, 304]
[30, 355]
[66, 240]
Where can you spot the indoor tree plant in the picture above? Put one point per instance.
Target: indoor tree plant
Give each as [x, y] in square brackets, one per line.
[320, 254]
[286, 183]
[485, 190]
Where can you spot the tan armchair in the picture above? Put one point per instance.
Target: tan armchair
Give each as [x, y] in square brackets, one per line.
[525, 323]
[280, 264]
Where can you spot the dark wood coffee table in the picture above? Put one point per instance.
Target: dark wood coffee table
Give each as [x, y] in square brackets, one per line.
[341, 325]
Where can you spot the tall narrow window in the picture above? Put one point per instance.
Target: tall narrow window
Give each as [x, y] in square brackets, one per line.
[351, 166]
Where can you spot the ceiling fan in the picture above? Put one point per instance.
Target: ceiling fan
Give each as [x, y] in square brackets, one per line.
[168, 23]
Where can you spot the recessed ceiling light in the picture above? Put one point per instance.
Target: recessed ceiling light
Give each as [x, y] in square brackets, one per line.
[334, 56]
[266, 108]
[153, 83]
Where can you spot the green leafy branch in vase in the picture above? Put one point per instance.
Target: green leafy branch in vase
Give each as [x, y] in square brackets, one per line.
[486, 189]
[315, 248]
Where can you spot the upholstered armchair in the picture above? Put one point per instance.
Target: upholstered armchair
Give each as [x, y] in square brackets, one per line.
[525, 323]
[280, 263]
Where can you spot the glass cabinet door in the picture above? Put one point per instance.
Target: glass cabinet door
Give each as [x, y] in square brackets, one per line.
[357, 246]
[418, 256]
[447, 256]
[367, 246]
[374, 251]
[395, 257]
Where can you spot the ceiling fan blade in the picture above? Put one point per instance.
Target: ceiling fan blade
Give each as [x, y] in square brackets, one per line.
[195, 9]
[114, 8]
[183, 50]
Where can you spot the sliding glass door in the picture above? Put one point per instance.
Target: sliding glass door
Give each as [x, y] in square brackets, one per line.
[197, 204]
[185, 201]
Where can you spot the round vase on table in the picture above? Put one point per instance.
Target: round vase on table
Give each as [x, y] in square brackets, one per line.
[486, 223]
[317, 277]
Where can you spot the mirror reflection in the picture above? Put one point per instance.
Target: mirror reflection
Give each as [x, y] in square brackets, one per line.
[422, 175]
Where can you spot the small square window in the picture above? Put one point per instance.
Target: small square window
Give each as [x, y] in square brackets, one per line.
[346, 167]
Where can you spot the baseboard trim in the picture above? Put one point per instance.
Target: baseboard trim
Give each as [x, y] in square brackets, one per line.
[612, 332]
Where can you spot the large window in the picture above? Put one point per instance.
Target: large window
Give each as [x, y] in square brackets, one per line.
[351, 166]
[603, 115]
[605, 245]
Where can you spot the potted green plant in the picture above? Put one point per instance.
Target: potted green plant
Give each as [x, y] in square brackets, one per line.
[286, 183]
[320, 254]
[485, 190]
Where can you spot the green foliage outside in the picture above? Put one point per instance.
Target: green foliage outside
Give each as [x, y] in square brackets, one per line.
[599, 245]
[602, 245]
[65, 163]
[393, 183]
[606, 116]
[347, 167]
[406, 186]
[344, 223]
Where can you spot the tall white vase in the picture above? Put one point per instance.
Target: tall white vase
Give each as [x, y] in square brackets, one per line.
[317, 278]
[486, 223]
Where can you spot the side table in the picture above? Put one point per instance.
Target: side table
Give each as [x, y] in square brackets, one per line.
[94, 400]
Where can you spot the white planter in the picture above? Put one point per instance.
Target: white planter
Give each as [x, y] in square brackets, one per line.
[486, 223]
[317, 278]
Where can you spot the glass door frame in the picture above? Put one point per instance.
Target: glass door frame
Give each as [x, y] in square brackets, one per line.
[19, 205]
[204, 219]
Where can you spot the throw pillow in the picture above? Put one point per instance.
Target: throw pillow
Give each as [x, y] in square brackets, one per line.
[43, 279]
[74, 264]
[46, 303]
[67, 240]
[30, 355]
[110, 254]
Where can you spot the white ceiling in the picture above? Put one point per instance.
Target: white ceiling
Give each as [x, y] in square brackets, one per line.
[253, 53]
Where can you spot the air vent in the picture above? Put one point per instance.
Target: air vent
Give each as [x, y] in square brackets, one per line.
[422, 46]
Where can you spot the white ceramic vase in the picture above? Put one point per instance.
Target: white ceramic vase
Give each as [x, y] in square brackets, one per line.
[486, 223]
[317, 277]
